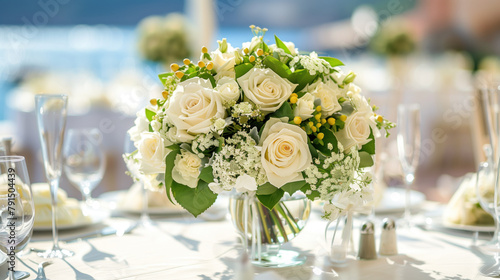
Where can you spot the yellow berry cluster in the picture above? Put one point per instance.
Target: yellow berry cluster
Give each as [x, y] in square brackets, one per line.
[313, 125]
[179, 71]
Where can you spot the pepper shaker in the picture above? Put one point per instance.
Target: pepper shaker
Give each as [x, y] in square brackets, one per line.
[388, 239]
[367, 250]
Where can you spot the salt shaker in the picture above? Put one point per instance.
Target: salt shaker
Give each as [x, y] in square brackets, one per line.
[367, 249]
[388, 239]
[5, 145]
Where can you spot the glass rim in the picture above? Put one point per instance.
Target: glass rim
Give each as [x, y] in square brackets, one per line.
[42, 95]
[11, 158]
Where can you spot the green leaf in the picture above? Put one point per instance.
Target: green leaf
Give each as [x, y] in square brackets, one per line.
[150, 114]
[281, 45]
[333, 61]
[312, 195]
[266, 189]
[272, 199]
[370, 146]
[366, 159]
[174, 147]
[242, 69]
[196, 200]
[314, 152]
[329, 138]
[169, 163]
[207, 174]
[292, 187]
[302, 78]
[189, 74]
[284, 111]
[163, 77]
[277, 66]
[209, 77]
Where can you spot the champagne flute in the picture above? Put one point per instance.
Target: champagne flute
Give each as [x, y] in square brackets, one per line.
[487, 174]
[130, 151]
[51, 113]
[17, 210]
[84, 161]
[408, 148]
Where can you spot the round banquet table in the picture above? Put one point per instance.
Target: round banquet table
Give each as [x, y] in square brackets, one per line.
[182, 247]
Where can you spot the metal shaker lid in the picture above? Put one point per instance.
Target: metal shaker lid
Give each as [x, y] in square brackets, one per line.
[388, 224]
[367, 228]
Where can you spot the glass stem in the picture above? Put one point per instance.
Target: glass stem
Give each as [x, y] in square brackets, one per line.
[11, 272]
[87, 197]
[54, 186]
[408, 183]
[145, 201]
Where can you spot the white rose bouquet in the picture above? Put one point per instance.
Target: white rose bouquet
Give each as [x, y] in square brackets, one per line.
[261, 119]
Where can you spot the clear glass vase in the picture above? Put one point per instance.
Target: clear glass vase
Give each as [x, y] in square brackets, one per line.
[340, 243]
[263, 231]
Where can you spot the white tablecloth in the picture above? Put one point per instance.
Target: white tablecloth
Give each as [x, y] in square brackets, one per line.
[182, 247]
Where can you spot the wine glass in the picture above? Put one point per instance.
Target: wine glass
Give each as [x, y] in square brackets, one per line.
[131, 151]
[408, 148]
[51, 113]
[84, 161]
[487, 174]
[17, 210]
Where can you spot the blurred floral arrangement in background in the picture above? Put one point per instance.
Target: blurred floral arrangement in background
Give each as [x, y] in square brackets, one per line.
[164, 39]
[393, 38]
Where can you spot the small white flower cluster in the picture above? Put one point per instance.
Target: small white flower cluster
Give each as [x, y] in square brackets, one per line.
[170, 83]
[243, 111]
[239, 156]
[202, 143]
[312, 63]
[338, 174]
[219, 125]
[243, 108]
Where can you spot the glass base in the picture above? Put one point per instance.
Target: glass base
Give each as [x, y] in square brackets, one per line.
[490, 247]
[56, 254]
[283, 258]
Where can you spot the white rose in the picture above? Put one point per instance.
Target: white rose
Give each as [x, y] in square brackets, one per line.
[356, 131]
[352, 89]
[361, 104]
[338, 76]
[152, 153]
[219, 125]
[228, 90]
[266, 89]
[245, 183]
[305, 107]
[226, 73]
[289, 45]
[285, 153]
[223, 61]
[186, 169]
[141, 125]
[156, 125]
[256, 40]
[171, 135]
[328, 93]
[192, 106]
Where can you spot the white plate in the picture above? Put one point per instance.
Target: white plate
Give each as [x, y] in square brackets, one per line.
[468, 227]
[113, 199]
[95, 216]
[3, 258]
[394, 200]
